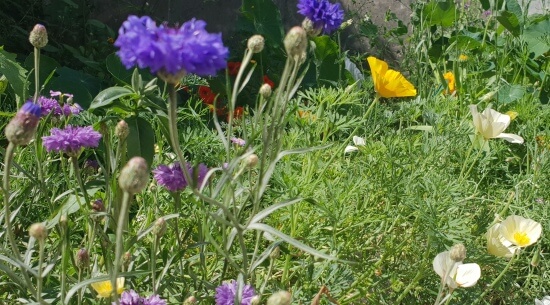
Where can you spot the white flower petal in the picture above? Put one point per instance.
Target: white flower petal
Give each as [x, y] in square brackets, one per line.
[359, 141]
[497, 245]
[350, 148]
[442, 263]
[467, 275]
[510, 137]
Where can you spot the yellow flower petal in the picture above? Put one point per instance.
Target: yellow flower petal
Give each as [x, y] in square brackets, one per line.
[388, 82]
[451, 82]
[104, 289]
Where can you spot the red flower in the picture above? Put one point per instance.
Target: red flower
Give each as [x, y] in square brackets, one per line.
[233, 67]
[269, 82]
[207, 95]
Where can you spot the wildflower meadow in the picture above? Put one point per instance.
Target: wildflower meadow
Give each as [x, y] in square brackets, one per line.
[164, 163]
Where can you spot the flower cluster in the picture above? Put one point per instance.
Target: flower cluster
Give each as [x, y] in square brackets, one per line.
[171, 177]
[323, 14]
[225, 293]
[505, 238]
[57, 108]
[133, 298]
[175, 51]
[71, 140]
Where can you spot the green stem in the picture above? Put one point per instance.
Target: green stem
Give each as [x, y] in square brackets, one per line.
[39, 280]
[496, 280]
[76, 169]
[64, 258]
[465, 174]
[154, 262]
[119, 245]
[36, 73]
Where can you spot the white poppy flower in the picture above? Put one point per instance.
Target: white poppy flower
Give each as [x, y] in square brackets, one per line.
[491, 124]
[497, 245]
[358, 141]
[457, 274]
[544, 301]
[520, 231]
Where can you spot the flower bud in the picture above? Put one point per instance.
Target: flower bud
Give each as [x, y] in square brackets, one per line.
[280, 298]
[3, 84]
[265, 91]
[38, 231]
[256, 43]
[39, 36]
[346, 24]
[170, 78]
[63, 221]
[126, 259]
[310, 28]
[121, 130]
[255, 300]
[160, 227]
[98, 206]
[190, 300]
[295, 42]
[535, 261]
[82, 258]
[487, 96]
[134, 175]
[251, 160]
[21, 129]
[275, 253]
[458, 253]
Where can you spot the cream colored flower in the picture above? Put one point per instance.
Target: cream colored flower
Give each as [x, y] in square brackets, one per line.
[491, 124]
[497, 245]
[104, 289]
[358, 141]
[520, 231]
[456, 274]
[544, 301]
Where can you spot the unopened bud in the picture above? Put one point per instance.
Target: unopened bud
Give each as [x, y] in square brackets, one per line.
[82, 258]
[63, 221]
[21, 129]
[346, 24]
[3, 84]
[126, 259]
[310, 28]
[536, 258]
[487, 96]
[39, 36]
[38, 231]
[121, 130]
[256, 43]
[275, 253]
[190, 300]
[251, 160]
[160, 227]
[171, 78]
[265, 91]
[98, 206]
[255, 300]
[134, 175]
[458, 253]
[295, 42]
[280, 298]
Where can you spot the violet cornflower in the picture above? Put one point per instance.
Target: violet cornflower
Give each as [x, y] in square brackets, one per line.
[132, 298]
[322, 13]
[225, 293]
[171, 177]
[238, 141]
[49, 105]
[173, 51]
[71, 140]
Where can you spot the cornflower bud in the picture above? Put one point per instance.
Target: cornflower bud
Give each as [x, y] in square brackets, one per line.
[458, 253]
[98, 206]
[280, 298]
[346, 24]
[190, 300]
[295, 42]
[63, 221]
[126, 259]
[21, 129]
[310, 28]
[39, 36]
[265, 91]
[251, 160]
[121, 130]
[82, 258]
[160, 227]
[38, 231]
[275, 253]
[134, 175]
[256, 43]
[255, 300]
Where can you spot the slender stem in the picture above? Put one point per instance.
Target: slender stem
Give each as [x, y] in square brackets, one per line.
[119, 246]
[154, 262]
[76, 169]
[480, 150]
[39, 279]
[36, 74]
[496, 280]
[80, 291]
[64, 258]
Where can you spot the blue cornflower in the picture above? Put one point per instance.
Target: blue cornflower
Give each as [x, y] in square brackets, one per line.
[132, 298]
[173, 51]
[322, 13]
[71, 140]
[171, 177]
[225, 293]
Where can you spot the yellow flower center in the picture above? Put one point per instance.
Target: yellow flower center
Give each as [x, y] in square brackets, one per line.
[521, 239]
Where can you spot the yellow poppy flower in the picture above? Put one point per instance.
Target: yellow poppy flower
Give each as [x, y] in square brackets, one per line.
[104, 289]
[520, 231]
[462, 57]
[451, 82]
[388, 82]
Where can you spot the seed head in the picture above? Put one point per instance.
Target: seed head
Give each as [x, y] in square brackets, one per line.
[458, 253]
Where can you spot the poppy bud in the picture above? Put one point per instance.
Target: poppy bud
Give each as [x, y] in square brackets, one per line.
[121, 130]
[265, 91]
[251, 160]
[295, 42]
[280, 298]
[160, 227]
[134, 175]
[39, 36]
[458, 253]
[38, 231]
[190, 300]
[256, 43]
[310, 28]
[21, 129]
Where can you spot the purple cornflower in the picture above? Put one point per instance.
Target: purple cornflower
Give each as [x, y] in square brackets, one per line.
[225, 293]
[71, 140]
[175, 51]
[132, 298]
[49, 105]
[238, 141]
[322, 13]
[21, 129]
[171, 177]
[73, 109]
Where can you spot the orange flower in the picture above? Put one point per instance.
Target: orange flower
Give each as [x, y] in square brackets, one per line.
[388, 82]
[207, 95]
[306, 115]
[451, 82]
[237, 113]
[233, 68]
[269, 82]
